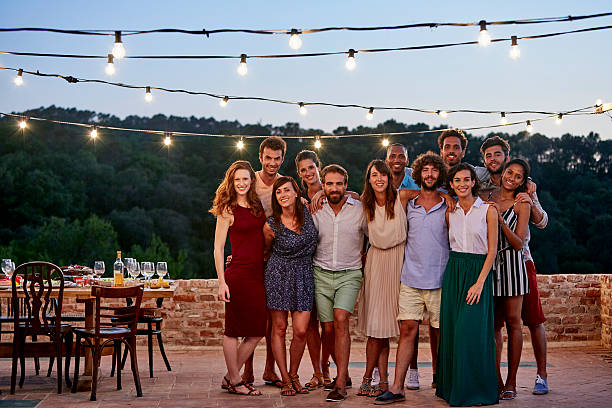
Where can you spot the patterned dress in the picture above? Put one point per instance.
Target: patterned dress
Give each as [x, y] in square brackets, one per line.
[509, 263]
[289, 280]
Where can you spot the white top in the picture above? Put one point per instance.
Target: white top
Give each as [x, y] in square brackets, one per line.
[264, 192]
[468, 232]
[340, 236]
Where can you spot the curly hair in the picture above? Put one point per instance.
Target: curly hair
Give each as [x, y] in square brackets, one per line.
[369, 199]
[465, 166]
[277, 210]
[273, 143]
[425, 159]
[526, 170]
[226, 196]
[453, 133]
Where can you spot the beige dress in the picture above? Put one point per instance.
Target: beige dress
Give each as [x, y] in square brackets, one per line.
[378, 299]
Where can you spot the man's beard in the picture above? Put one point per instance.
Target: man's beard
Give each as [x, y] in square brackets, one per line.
[496, 172]
[334, 198]
[430, 188]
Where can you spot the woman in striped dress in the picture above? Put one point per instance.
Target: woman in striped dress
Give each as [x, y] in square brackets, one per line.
[510, 267]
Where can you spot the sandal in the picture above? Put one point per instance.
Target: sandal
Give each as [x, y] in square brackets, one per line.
[315, 382]
[224, 383]
[365, 388]
[295, 381]
[379, 389]
[507, 395]
[326, 380]
[232, 389]
[275, 383]
[287, 389]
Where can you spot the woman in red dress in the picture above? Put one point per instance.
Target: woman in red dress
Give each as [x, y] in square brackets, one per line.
[241, 286]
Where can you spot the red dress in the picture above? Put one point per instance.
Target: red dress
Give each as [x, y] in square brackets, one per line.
[245, 313]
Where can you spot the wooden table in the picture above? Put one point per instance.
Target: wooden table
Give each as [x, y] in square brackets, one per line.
[83, 295]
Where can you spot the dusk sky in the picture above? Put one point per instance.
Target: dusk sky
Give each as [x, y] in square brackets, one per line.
[552, 74]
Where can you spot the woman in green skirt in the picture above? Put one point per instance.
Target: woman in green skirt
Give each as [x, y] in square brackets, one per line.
[466, 357]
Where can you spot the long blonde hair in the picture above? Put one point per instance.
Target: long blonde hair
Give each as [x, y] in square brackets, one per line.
[226, 197]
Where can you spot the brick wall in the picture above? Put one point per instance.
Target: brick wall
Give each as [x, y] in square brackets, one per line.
[575, 306]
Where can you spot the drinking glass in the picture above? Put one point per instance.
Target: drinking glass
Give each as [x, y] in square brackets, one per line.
[133, 268]
[99, 269]
[7, 267]
[162, 269]
[147, 271]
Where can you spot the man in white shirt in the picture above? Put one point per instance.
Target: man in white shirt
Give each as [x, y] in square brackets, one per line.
[341, 225]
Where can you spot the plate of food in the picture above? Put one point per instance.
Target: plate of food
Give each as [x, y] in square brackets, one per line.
[76, 270]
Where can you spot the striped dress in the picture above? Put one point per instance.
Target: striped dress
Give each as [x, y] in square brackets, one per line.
[509, 263]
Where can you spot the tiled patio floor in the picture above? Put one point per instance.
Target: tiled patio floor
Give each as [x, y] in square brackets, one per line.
[579, 377]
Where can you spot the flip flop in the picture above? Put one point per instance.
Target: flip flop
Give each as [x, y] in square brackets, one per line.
[507, 395]
[275, 383]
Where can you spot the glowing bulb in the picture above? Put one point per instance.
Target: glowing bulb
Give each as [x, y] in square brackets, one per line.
[110, 66]
[19, 78]
[385, 142]
[167, 141]
[148, 94]
[295, 41]
[23, 124]
[118, 48]
[559, 119]
[484, 38]
[242, 68]
[240, 144]
[515, 52]
[303, 110]
[503, 120]
[317, 144]
[598, 102]
[223, 102]
[529, 127]
[94, 133]
[350, 62]
[442, 113]
[370, 114]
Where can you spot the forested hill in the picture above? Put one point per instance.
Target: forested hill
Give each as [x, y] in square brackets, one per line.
[68, 200]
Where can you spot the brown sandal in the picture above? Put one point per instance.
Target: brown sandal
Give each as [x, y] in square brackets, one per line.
[315, 382]
[232, 389]
[287, 389]
[297, 386]
[224, 384]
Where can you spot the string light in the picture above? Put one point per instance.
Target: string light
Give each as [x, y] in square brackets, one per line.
[385, 142]
[223, 102]
[515, 51]
[167, 140]
[559, 119]
[110, 65]
[148, 94]
[242, 68]
[317, 143]
[19, 78]
[118, 48]
[295, 41]
[350, 62]
[240, 144]
[370, 114]
[598, 102]
[303, 110]
[503, 120]
[484, 38]
[442, 113]
[23, 124]
[529, 127]
[94, 133]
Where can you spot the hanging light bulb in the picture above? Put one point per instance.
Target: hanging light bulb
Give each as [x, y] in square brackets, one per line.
[350, 62]
[442, 113]
[295, 41]
[515, 51]
[317, 143]
[370, 114]
[94, 133]
[242, 68]
[484, 38]
[559, 119]
[240, 144]
[385, 142]
[110, 66]
[167, 141]
[303, 110]
[148, 94]
[529, 127]
[223, 102]
[19, 78]
[23, 124]
[118, 48]
[598, 102]
[503, 120]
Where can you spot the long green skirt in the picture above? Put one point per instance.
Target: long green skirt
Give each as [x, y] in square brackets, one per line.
[466, 356]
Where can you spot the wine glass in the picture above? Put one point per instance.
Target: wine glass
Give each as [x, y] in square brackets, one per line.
[133, 268]
[162, 269]
[147, 271]
[7, 267]
[99, 269]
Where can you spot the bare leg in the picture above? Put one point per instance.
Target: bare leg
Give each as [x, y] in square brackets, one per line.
[383, 361]
[433, 344]
[538, 342]
[325, 355]
[342, 347]
[513, 306]
[329, 339]
[235, 357]
[405, 348]
[414, 364]
[313, 340]
[269, 373]
[373, 348]
[299, 322]
[279, 330]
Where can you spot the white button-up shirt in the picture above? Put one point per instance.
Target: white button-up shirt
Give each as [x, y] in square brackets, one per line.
[469, 232]
[340, 236]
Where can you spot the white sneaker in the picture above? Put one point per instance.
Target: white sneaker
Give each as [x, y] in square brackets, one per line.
[375, 376]
[413, 379]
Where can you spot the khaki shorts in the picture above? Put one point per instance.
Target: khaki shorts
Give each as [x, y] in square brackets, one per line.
[412, 304]
[336, 290]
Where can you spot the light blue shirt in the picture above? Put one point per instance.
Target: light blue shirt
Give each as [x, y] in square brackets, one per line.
[408, 181]
[427, 247]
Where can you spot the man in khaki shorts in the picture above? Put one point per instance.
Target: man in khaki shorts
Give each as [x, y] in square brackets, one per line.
[426, 255]
[341, 225]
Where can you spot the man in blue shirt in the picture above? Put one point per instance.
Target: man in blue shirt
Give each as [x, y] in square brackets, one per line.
[397, 160]
[426, 255]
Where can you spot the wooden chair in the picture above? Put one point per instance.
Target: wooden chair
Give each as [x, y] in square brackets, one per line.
[106, 331]
[6, 317]
[37, 291]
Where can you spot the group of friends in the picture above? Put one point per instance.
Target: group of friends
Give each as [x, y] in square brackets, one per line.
[440, 240]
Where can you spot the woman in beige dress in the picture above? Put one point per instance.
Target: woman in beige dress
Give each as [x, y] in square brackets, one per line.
[385, 209]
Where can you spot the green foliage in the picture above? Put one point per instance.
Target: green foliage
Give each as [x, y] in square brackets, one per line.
[68, 200]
